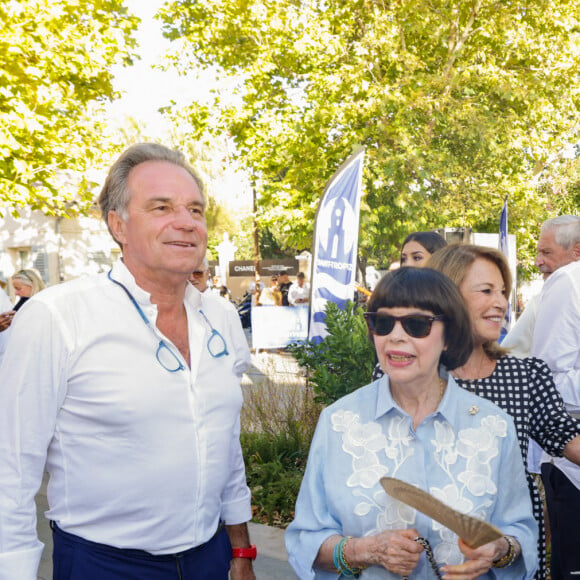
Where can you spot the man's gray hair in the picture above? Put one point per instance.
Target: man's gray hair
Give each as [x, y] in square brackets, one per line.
[115, 194]
[566, 230]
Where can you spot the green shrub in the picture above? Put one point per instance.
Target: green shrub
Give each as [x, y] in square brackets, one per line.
[278, 419]
[343, 361]
[274, 470]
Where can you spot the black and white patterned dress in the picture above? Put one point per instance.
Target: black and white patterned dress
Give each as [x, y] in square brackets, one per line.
[525, 389]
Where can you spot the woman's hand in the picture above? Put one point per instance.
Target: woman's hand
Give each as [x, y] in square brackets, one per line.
[394, 550]
[478, 561]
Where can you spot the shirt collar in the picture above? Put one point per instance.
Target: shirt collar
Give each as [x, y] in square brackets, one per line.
[193, 296]
[385, 401]
[121, 273]
[447, 405]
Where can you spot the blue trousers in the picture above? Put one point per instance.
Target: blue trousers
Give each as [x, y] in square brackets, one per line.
[75, 558]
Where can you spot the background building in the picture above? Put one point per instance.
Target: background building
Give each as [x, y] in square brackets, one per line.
[59, 248]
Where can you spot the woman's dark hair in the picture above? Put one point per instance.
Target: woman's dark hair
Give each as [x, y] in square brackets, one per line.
[431, 241]
[430, 290]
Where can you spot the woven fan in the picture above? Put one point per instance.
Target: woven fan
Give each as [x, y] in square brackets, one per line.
[472, 531]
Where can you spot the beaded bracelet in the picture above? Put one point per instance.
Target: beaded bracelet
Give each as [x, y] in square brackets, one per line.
[341, 563]
[511, 555]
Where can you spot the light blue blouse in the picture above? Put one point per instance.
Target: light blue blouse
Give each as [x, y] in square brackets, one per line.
[465, 454]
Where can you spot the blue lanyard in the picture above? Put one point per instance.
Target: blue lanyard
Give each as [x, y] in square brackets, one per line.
[163, 349]
[216, 343]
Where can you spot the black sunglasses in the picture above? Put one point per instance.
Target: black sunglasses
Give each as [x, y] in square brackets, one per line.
[415, 325]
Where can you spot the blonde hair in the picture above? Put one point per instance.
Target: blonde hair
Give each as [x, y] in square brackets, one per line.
[30, 277]
[456, 259]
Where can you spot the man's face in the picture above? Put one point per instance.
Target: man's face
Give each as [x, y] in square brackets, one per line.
[300, 282]
[199, 279]
[165, 233]
[550, 256]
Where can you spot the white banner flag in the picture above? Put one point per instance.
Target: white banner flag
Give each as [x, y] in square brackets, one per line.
[336, 243]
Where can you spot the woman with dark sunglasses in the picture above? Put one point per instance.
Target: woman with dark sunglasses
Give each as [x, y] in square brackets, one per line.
[414, 424]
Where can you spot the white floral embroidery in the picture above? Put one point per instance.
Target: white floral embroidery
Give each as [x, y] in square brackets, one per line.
[450, 495]
[479, 446]
[448, 550]
[361, 442]
[365, 443]
[476, 447]
[444, 444]
[398, 440]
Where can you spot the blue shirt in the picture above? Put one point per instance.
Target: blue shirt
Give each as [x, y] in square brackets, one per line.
[465, 454]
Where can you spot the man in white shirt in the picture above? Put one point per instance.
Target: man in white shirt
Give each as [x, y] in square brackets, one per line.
[558, 245]
[299, 292]
[556, 340]
[127, 389]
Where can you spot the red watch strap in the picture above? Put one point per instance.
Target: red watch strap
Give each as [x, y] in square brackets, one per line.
[250, 552]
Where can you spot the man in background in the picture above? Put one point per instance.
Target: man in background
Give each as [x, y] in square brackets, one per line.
[124, 386]
[299, 292]
[556, 340]
[200, 276]
[284, 285]
[558, 245]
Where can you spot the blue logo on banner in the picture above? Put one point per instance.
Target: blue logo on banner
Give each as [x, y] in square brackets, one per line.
[336, 245]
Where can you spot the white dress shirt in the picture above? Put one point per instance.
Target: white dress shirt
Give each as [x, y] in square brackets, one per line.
[239, 341]
[557, 341]
[5, 306]
[298, 292]
[139, 457]
[519, 338]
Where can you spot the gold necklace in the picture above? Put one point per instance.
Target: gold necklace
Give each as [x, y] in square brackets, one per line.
[442, 386]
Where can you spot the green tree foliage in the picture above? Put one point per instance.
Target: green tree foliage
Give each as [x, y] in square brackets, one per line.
[343, 361]
[55, 60]
[559, 186]
[459, 104]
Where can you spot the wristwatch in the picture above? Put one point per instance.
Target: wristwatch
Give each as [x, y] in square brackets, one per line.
[250, 552]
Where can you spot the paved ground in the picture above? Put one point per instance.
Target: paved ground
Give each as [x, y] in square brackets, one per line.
[272, 561]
